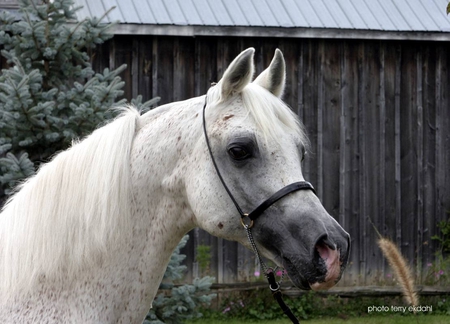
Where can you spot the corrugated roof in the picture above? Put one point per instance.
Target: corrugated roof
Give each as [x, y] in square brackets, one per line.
[382, 15]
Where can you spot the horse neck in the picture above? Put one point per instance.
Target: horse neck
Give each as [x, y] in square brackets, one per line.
[131, 272]
[161, 214]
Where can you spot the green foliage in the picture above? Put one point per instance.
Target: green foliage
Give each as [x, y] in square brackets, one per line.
[182, 303]
[438, 272]
[203, 257]
[259, 306]
[444, 237]
[50, 95]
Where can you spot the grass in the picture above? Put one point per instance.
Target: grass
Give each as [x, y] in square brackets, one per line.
[394, 319]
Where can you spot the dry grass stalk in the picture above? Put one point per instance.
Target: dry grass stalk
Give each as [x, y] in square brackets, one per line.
[401, 269]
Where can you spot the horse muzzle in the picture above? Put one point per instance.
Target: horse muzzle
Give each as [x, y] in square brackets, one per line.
[324, 266]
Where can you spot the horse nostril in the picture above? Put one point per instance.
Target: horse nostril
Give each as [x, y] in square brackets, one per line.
[323, 248]
[324, 241]
[329, 243]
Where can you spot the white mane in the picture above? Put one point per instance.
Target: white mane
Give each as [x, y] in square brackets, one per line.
[63, 218]
[272, 116]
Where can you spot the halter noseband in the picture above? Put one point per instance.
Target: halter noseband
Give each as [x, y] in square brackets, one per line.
[253, 215]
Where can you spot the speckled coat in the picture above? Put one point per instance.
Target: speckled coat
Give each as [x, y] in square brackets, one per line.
[173, 188]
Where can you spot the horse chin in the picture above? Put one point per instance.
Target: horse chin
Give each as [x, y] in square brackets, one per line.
[296, 275]
[320, 274]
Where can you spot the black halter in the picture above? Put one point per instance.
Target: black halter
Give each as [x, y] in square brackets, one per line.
[253, 215]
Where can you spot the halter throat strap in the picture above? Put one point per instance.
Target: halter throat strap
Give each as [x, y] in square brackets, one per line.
[253, 215]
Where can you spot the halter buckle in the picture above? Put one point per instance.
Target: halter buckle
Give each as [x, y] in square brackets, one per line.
[249, 225]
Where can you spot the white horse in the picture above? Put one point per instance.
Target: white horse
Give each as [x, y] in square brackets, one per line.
[88, 238]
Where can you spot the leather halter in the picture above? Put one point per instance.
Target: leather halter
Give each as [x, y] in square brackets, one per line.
[253, 215]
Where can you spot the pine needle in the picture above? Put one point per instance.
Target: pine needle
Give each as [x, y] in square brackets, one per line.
[401, 269]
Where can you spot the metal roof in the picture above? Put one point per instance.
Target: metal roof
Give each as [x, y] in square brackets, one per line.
[376, 15]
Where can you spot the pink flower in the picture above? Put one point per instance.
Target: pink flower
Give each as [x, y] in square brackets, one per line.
[279, 273]
[257, 273]
[226, 310]
[429, 264]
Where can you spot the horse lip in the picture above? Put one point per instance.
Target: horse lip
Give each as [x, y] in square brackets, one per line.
[295, 275]
[316, 276]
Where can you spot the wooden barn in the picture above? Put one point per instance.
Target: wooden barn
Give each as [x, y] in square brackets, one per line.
[369, 79]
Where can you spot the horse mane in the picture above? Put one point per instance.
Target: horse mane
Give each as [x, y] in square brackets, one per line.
[272, 116]
[66, 216]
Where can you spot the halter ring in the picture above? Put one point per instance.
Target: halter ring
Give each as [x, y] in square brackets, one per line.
[250, 225]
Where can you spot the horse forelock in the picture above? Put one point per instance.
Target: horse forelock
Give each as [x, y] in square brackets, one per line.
[63, 218]
[271, 115]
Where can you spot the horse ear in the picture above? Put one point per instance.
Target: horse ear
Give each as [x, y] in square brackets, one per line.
[238, 74]
[274, 77]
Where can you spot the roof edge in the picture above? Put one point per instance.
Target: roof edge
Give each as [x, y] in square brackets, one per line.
[335, 33]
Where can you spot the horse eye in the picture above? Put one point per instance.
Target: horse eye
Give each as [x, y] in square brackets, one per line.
[238, 153]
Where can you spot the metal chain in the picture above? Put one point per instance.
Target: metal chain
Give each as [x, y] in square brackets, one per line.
[255, 249]
[258, 255]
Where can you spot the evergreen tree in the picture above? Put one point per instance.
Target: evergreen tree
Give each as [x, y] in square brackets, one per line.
[50, 95]
[183, 301]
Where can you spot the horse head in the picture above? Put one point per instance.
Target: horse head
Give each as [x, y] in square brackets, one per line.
[256, 146]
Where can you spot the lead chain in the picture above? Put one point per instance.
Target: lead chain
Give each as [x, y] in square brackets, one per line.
[255, 249]
[258, 256]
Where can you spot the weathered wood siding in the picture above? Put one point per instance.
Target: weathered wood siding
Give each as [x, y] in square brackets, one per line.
[378, 117]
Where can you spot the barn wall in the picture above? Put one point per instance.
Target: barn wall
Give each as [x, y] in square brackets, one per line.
[378, 117]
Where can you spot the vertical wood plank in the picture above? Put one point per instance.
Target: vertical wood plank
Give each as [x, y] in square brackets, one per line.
[155, 67]
[183, 69]
[388, 197]
[123, 55]
[442, 135]
[398, 187]
[112, 53]
[300, 83]
[420, 169]
[290, 51]
[135, 67]
[331, 126]
[100, 57]
[408, 142]
[164, 75]
[360, 151]
[348, 172]
[382, 147]
[429, 162]
[145, 67]
[320, 104]
[197, 68]
[310, 68]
